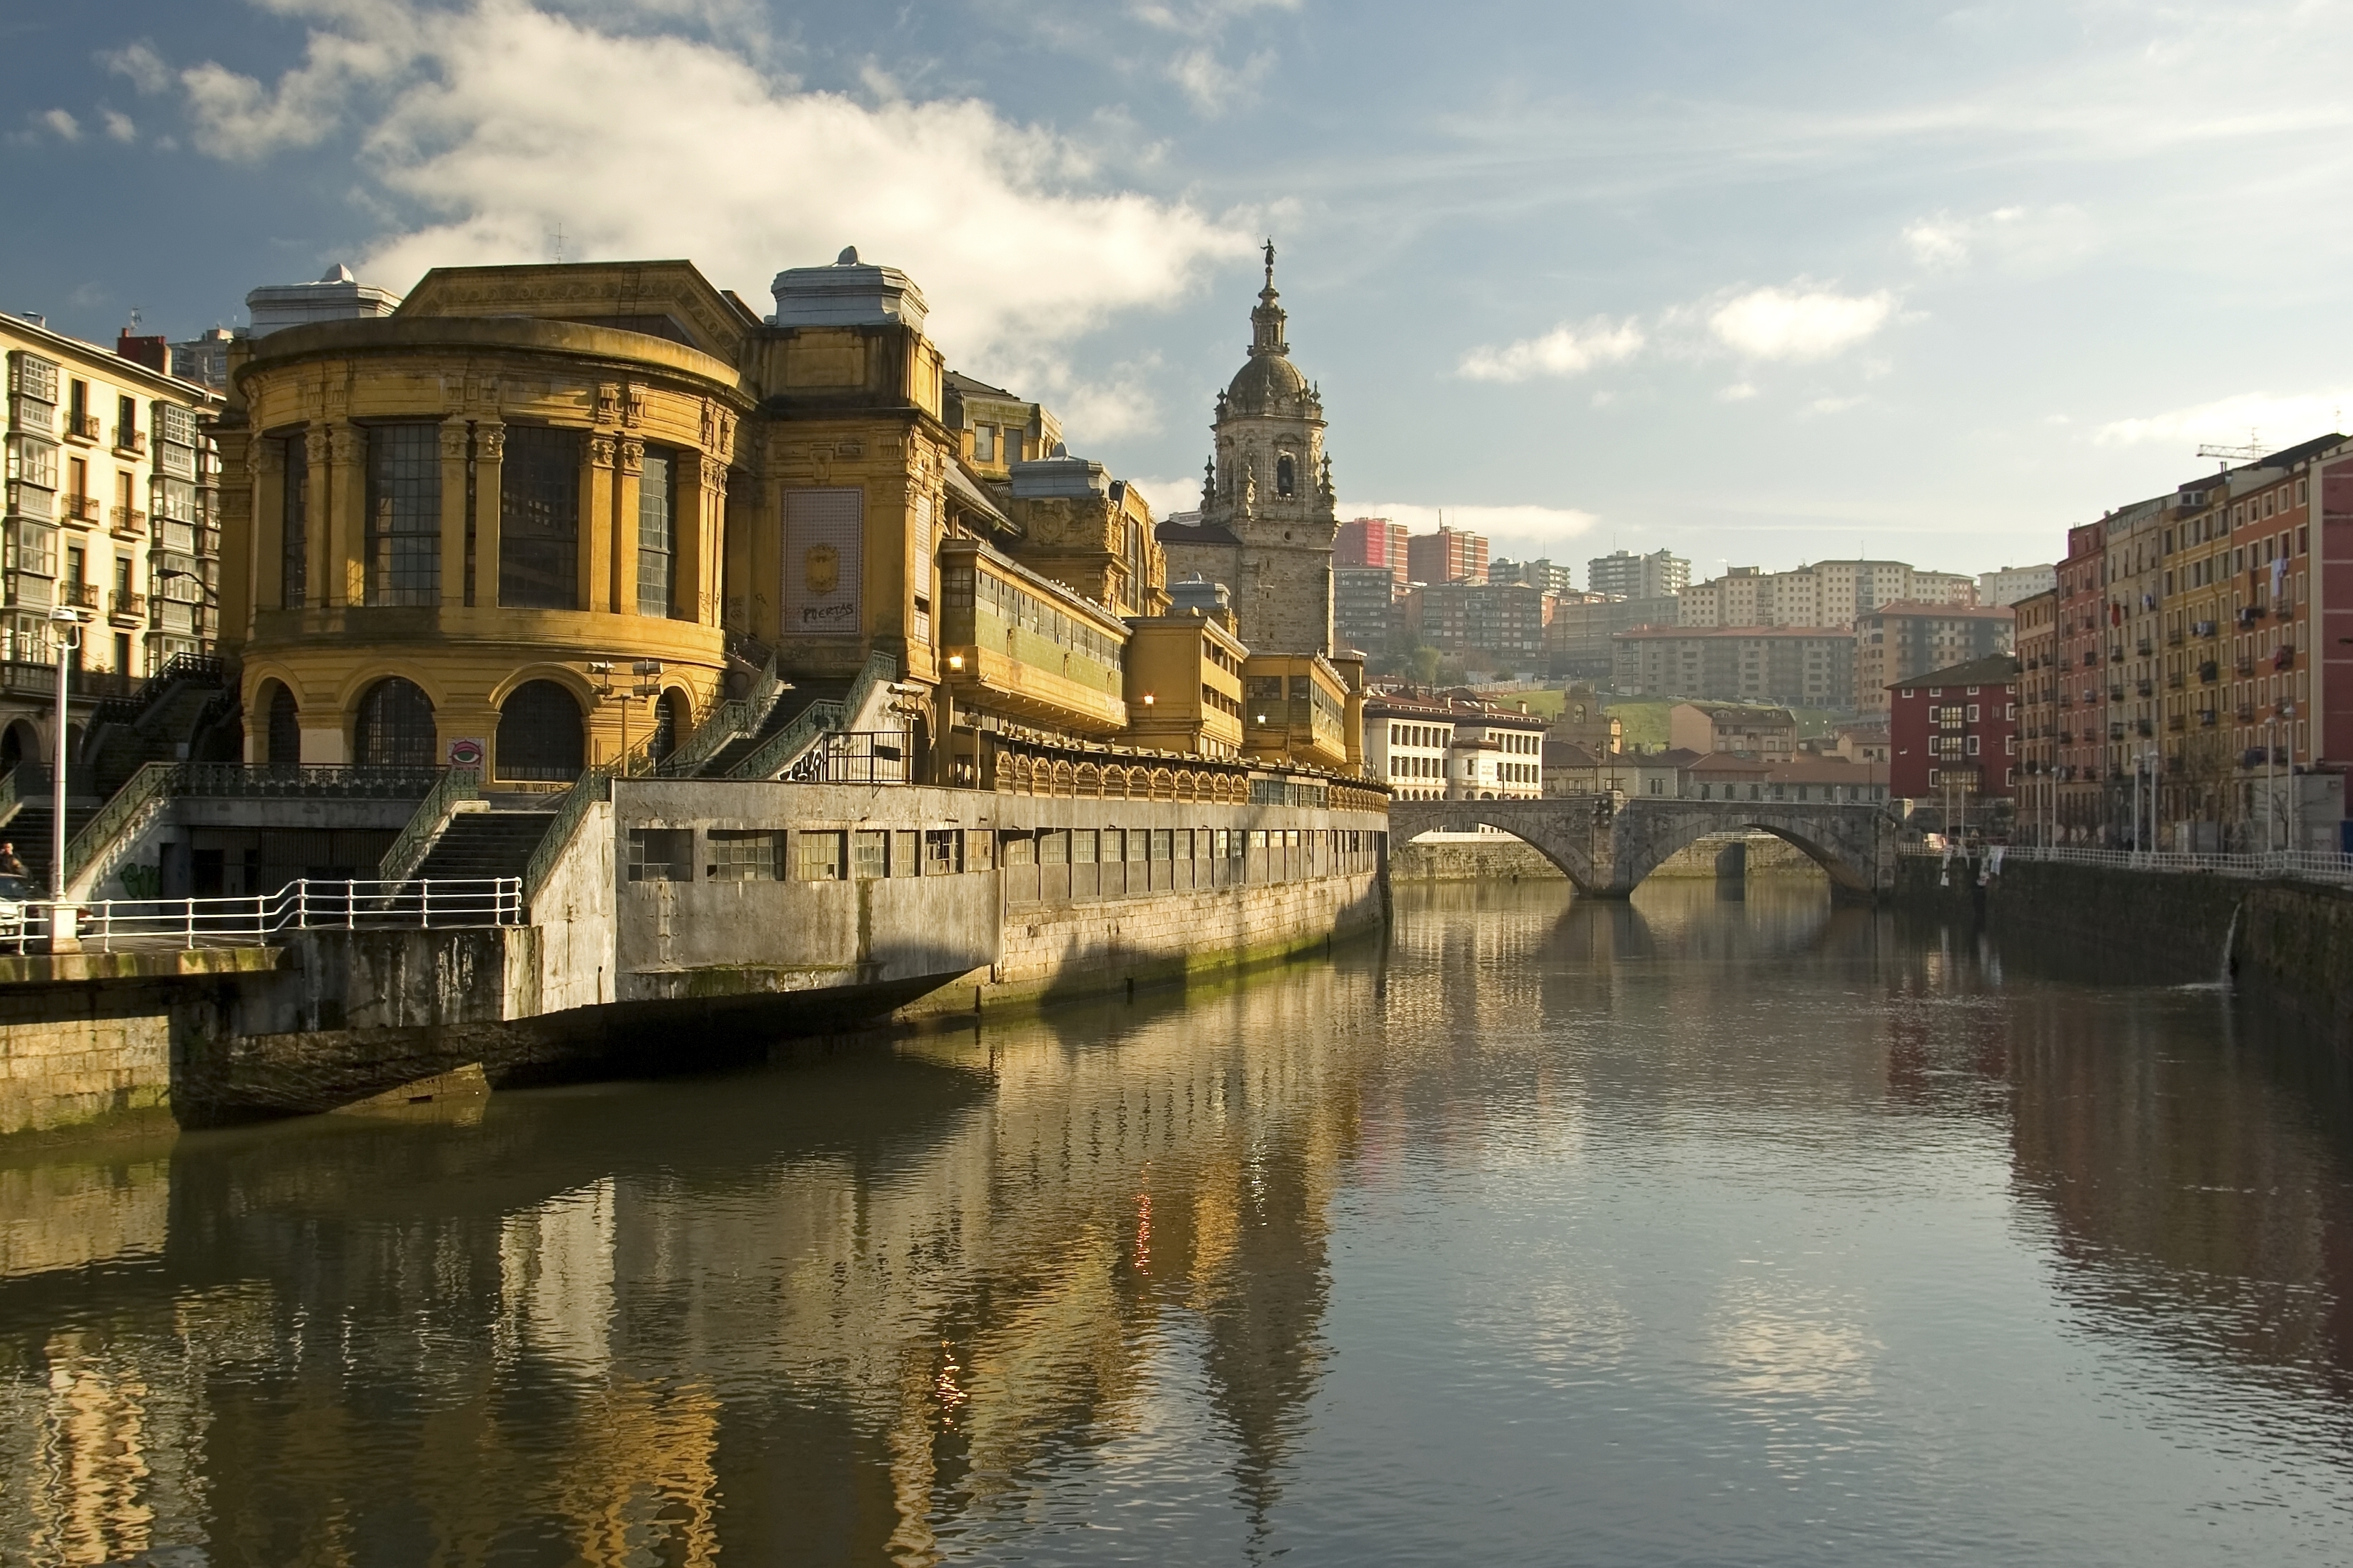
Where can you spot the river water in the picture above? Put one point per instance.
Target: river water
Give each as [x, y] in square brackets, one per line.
[1702, 1230]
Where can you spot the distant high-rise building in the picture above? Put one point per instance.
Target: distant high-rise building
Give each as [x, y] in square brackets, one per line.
[1449, 555]
[1364, 602]
[2012, 583]
[1632, 576]
[1541, 574]
[1371, 542]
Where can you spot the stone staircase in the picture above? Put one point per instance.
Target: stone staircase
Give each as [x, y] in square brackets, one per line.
[478, 844]
[29, 830]
[157, 723]
[788, 707]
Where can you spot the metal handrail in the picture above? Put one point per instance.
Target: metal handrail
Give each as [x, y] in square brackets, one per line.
[777, 754]
[2311, 865]
[433, 813]
[730, 719]
[110, 925]
[153, 781]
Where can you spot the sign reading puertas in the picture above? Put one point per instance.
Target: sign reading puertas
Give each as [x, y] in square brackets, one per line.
[822, 580]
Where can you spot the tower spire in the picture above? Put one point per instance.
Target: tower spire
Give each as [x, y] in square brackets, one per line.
[1267, 320]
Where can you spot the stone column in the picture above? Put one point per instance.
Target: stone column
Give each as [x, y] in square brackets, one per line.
[265, 569]
[455, 438]
[489, 471]
[340, 487]
[628, 485]
[596, 543]
[702, 534]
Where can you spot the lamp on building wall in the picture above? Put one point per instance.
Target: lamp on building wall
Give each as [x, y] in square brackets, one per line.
[955, 662]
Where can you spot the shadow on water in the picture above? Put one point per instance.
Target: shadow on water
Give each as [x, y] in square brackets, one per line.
[1014, 1289]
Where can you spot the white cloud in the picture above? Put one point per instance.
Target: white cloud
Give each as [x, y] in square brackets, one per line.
[142, 64]
[1831, 404]
[1566, 351]
[2250, 418]
[119, 126]
[1738, 392]
[58, 123]
[506, 120]
[1789, 324]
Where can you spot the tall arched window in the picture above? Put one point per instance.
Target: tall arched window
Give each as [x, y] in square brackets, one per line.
[1286, 477]
[283, 739]
[539, 734]
[394, 727]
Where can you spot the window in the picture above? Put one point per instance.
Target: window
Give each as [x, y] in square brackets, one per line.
[821, 857]
[539, 518]
[984, 443]
[657, 555]
[738, 856]
[979, 844]
[870, 854]
[540, 733]
[403, 547]
[1286, 476]
[906, 852]
[294, 522]
[394, 727]
[661, 855]
[943, 851]
[282, 740]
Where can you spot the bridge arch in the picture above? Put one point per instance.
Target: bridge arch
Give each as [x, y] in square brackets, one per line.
[1606, 845]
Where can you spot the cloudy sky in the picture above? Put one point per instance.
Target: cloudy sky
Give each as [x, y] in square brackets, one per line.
[1757, 283]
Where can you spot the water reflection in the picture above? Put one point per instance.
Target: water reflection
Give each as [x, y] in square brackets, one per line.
[1687, 1227]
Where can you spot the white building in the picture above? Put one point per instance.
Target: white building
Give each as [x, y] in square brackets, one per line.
[2012, 583]
[1826, 593]
[1497, 754]
[1407, 741]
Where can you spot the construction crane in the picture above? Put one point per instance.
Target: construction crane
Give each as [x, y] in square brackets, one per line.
[2246, 454]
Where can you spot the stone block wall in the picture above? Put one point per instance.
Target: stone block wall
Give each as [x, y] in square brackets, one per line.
[75, 1056]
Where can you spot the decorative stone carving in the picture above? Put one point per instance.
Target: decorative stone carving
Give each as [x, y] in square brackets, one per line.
[491, 443]
[608, 403]
[315, 445]
[633, 455]
[714, 476]
[600, 451]
[633, 406]
[343, 442]
[453, 442]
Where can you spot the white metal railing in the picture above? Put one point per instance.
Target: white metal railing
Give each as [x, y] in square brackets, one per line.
[119, 925]
[2309, 865]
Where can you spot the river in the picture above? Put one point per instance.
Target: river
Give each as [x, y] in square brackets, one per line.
[1697, 1230]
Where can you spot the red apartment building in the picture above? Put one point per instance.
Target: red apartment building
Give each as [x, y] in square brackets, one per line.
[1449, 555]
[1954, 735]
[1371, 542]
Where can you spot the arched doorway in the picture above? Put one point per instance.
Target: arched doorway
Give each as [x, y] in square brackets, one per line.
[20, 745]
[539, 734]
[395, 726]
[281, 736]
[671, 722]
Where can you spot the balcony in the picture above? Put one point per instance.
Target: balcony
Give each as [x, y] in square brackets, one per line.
[2174, 682]
[2173, 639]
[2177, 723]
[2144, 647]
[2251, 614]
[78, 595]
[2203, 629]
[130, 441]
[2245, 667]
[2246, 713]
[2144, 727]
[2209, 673]
[2116, 694]
[81, 427]
[2285, 657]
[2145, 688]
[125, 608]
[2206, 718]
[126, 522]
[2115, 732]
[77, 509]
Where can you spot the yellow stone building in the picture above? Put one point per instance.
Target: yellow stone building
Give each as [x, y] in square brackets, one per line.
[552, 514]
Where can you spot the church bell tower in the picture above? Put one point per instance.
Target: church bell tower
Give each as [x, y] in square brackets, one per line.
[1270, 485]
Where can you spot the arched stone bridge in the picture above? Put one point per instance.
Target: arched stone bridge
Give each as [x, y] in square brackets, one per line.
[1607, 844]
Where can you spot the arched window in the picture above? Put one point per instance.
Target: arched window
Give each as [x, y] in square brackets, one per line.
[394, 727]
[283, 739]
[19, 743]
[671, 722]
[539, 734]
[1286, 477]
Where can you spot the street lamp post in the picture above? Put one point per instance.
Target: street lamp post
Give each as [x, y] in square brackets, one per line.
[67, 622]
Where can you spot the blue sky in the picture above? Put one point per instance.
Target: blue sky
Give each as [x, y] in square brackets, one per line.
[1759, 283]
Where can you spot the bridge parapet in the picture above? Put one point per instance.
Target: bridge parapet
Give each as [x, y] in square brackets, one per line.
[1607, 844]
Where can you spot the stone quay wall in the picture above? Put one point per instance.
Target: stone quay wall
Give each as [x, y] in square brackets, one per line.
[81, 1054]
[2287, 941]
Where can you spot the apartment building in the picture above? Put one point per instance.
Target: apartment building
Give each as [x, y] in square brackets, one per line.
[1955, 734]
[1770, 732]
[1541, 574]
[2082, 683]
[1825, 593]
[110, 512]
[1371, 542]
[1498, 753]
[1899, 640]
[1408, 742]
[2038, 712]
[2008, 585]
[1449, 555]
[1807, 666]
[1365, 606]
[1504, 620]
[1579, 643]
[2133, 552]
[1661, 574]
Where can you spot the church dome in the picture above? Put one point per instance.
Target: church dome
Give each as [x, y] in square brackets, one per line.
[1266, 383]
